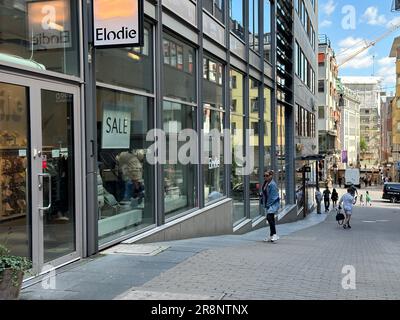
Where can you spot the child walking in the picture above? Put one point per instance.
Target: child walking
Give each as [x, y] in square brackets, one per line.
[362, 200]
[368, 199]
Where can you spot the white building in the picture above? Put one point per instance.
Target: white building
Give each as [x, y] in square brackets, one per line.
[350, 126]
[368, 89]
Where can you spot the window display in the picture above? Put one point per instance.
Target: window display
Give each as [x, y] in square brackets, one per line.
[13, 183]
[125, 179]
[14, 169]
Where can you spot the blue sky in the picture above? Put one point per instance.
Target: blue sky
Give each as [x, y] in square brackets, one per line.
[350, 24]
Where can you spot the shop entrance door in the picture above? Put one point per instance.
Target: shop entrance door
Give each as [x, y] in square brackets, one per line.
[41, 178]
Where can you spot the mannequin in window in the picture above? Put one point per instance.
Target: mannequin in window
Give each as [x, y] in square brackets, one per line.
[130, 165]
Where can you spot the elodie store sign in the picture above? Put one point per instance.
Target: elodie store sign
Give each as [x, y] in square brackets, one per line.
[117, 23]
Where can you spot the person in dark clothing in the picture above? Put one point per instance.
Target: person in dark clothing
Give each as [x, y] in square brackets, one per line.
[327, 194]
[340, 182]
[334, 198]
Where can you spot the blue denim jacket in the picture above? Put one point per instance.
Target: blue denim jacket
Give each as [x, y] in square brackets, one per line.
[270, 198]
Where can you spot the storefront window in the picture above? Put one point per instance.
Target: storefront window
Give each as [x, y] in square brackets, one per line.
[213, 117]
[214, 186]
[179, 179]
[43, 35]
[236, 14]
[179, 70]
[125, 178]
[237, 135]
[129, 67]
[255, 124]
[15, 221]
[267, 128]
[281, 175]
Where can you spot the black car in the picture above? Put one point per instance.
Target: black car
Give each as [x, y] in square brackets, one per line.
[391, 191]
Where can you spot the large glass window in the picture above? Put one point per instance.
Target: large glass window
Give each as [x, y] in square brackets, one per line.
[15, 217]
[280, 176]
[43, 35]
[215, 7]
[237, 131]
[129, 67]
[125, 178]
[255, 126]
[179, 179]
[267, 30]
[236, 14]
[214, 186]
[267, 128]
[179, 70]
[214, 117]
[253, 25]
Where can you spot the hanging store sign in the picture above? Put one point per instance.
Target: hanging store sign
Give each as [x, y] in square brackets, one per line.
[49, 24]
[118, 23]
[116, 130]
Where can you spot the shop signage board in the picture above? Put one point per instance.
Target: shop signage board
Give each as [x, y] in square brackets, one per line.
[116, 131]
[49, 24]
[118, 23]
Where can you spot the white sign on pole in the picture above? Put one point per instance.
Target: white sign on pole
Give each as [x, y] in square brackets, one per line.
[116, 130]
[117, 23]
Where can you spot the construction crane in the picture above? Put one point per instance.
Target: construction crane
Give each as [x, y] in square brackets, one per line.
[368, 45]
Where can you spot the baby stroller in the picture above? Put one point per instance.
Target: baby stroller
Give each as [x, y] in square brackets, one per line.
[339, 216]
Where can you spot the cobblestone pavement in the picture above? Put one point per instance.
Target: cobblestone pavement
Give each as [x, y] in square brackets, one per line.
[307, 264]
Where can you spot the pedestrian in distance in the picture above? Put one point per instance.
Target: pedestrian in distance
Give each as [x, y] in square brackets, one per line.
[362, 200]
[271, 203]
[318, 200]
[368, 199]
[347, 200]
[327, 194]
[340, 182]
[334, 198]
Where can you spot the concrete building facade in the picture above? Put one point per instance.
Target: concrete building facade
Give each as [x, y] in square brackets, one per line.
[369, 91]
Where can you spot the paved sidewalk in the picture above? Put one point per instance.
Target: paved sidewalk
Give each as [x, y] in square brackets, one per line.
[307, 263]
[109, 276]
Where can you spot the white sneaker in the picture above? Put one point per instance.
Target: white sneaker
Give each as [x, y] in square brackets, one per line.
[267, 239]
[275, 237]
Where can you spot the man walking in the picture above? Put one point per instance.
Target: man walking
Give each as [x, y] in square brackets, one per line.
[271, 203]
[327, 197]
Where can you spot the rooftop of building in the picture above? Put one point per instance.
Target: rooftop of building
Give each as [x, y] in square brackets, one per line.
[361, 80]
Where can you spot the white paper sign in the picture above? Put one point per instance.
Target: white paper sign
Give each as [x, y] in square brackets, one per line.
[117, 22]
[116, 130]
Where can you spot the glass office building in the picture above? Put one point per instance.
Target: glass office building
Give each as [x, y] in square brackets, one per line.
[69, 188]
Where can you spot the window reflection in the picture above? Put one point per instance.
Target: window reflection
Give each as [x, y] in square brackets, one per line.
[236, 14]
[29, 36]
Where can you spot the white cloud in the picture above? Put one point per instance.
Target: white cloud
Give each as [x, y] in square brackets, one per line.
[386, 62]
[325, 23]
[372, 17]
[388, 73]
[350, 46]
[329, 7]
[393, 22]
